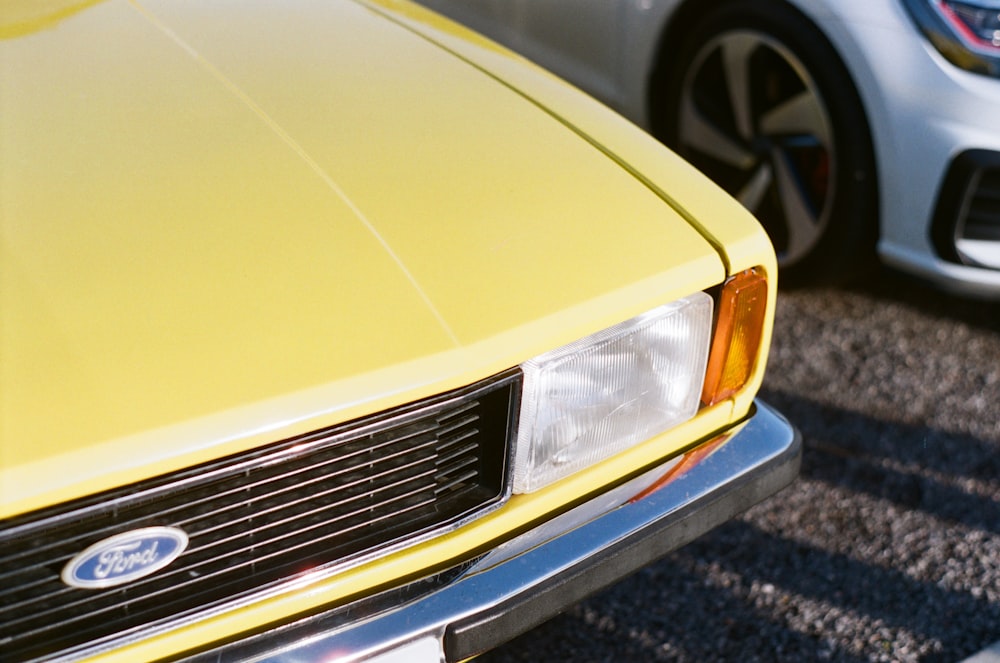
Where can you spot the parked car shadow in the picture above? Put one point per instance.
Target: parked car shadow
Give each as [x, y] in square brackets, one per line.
[772, 587]
[888, 284]
[943, 474]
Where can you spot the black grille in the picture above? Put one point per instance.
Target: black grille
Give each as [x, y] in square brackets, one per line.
[982, 219]
[258, 519]
[968, 206]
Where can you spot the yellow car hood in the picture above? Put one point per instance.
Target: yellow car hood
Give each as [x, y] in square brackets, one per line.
[226, 224]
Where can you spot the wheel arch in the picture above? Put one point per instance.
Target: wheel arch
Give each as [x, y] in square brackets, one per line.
[689, 13]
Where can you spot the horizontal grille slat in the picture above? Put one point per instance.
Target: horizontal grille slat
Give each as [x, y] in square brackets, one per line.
[260, 519]
[387, 505]
[35, 551]
[300, 518]
[259, 485]
[455, 482]
[448, 455]
[285, 505]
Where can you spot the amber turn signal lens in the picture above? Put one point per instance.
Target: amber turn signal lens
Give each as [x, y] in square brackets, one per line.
[739, 329]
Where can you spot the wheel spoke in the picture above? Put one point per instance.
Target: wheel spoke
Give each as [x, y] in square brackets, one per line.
[736, 62]
[802, 114]
[753, 192]
[700, 134]
[802, 223]
[751, 107]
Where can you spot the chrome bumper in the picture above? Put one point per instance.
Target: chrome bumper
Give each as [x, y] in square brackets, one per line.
[465, 611]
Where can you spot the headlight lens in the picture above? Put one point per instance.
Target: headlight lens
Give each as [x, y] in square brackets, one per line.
[591, 399]
[966, 33]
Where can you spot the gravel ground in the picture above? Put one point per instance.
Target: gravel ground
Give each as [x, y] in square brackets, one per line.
[888, 546]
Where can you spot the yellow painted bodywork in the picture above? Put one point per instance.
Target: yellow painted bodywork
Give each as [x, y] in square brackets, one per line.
[227, 225]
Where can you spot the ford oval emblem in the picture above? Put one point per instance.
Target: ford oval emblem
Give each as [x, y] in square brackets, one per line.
[125, 557]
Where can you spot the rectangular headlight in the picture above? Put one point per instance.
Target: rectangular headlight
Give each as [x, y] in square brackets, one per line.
[605, 393]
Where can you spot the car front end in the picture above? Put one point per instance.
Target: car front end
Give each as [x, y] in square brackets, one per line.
[931, 95]
[335, 331]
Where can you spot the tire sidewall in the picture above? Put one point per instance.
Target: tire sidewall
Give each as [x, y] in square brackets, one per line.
[847, 246]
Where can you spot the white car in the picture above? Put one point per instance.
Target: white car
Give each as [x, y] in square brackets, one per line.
[849, 127]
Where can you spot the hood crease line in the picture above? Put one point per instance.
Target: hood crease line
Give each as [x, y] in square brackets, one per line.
[302, 153]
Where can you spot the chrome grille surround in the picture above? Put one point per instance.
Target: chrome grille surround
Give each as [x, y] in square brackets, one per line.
[263, 522]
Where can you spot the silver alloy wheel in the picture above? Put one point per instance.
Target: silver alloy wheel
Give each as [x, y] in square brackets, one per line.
[752, 119]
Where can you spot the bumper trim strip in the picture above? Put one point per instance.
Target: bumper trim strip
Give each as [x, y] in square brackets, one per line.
[531, 578]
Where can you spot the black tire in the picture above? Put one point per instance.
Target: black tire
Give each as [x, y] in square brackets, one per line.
[754, 95]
